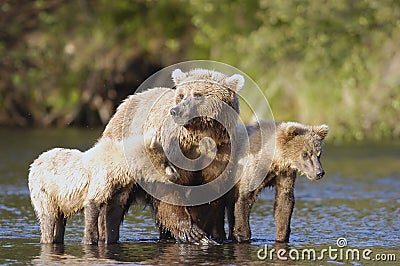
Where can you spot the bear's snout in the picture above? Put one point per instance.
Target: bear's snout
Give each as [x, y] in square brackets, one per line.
[320, 174]
[180, 116]
[173, 111]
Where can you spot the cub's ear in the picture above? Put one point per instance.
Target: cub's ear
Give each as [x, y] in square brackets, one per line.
[292, 131]
[321, 130]
[288, 130]
[178, 76]
[235, 82]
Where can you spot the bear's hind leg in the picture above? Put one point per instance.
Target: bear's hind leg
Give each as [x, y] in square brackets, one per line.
[47, 226]
[102, 224]
[59, 229]
[230, 209]
[91, 234]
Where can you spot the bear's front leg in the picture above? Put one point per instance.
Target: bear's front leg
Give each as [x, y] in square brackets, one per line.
[241, 223]
[158, 156]
[91, 234]
[284, 204]
[177, 220]
[210, 218]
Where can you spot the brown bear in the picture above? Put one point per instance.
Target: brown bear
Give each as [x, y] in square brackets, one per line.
[62, 182]
[271, 158]
[200, 111]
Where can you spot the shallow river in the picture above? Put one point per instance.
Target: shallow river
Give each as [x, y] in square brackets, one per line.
[352, 215]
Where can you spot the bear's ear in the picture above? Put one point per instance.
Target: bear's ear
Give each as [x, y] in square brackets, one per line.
[292, 131]
[321, 130]
[235, 82]
[178, 76]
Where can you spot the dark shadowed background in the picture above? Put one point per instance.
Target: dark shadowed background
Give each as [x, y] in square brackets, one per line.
[68, 63]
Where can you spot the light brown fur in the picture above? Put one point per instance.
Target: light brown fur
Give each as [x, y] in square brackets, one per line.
[62, 182]
[199, 92]
[272, 159]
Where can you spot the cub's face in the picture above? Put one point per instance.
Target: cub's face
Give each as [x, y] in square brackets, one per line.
[202, 96]
[302, 149]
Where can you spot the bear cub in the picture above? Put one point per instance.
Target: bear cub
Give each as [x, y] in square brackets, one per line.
[273, 155]
[63, 182]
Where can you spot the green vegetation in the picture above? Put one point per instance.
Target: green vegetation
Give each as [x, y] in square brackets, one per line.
[335, 62]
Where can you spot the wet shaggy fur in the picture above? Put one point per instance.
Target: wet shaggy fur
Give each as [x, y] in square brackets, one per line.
[272, 159]
[63, 182]
[202, 105]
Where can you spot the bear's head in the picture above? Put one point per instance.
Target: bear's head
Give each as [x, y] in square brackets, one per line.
[300, 148]
[204, 97]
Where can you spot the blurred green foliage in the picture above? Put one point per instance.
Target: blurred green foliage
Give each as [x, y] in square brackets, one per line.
[335, 62]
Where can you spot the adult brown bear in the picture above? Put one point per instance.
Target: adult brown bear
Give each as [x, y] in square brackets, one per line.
[196, 124]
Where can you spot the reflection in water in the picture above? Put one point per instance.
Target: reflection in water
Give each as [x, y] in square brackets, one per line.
[150, 253]
[154, 253]
[56, 253]
[359, 199]
[51, 253]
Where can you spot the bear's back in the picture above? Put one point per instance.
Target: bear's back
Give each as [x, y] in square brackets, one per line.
[131, 116]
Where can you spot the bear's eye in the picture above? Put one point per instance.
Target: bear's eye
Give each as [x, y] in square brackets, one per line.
[304, 155]
[197, 94]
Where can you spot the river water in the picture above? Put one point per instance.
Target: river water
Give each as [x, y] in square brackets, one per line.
[357, 202]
